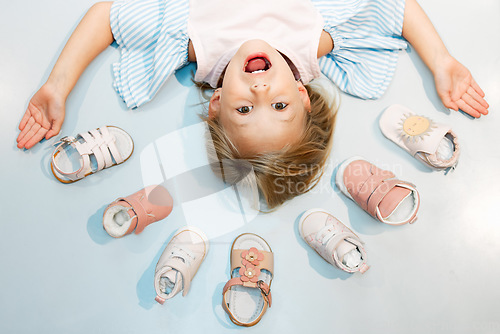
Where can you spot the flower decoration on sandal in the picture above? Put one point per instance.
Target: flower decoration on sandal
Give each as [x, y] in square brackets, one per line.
[252, 269]
[252, 256]
[249, 273]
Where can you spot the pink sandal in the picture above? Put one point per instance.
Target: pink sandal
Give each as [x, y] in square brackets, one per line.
[247, 295]
[137, 211]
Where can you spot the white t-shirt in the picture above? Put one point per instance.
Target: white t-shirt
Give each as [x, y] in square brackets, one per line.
[217, 28]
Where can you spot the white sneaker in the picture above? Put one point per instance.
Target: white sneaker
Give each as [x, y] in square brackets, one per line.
[179, 262]
[331, 239]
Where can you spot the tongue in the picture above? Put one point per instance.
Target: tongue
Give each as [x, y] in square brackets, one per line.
[255, 65]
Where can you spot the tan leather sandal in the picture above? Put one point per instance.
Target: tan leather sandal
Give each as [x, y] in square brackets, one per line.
[247, 295]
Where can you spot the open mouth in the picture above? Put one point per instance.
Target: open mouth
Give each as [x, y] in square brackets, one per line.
[257, 63]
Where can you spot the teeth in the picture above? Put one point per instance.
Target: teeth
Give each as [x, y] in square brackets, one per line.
[258, 71]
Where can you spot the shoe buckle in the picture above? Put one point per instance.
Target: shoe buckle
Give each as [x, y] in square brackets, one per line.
[259, 285]
[67, 140]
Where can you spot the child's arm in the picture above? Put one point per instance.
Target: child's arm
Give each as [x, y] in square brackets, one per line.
[46, 109]
[454, 83]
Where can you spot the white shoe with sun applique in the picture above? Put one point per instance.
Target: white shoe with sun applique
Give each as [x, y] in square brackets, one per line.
[433, 144]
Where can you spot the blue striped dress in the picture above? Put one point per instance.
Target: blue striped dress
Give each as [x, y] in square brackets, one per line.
[153, 38]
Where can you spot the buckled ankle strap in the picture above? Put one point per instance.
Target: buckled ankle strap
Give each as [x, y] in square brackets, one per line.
[265, 289]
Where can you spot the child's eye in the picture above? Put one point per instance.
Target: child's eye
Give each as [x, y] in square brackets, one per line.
[279, 105]
[244, 109]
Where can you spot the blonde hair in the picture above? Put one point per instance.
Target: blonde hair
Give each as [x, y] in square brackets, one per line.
[289, 172]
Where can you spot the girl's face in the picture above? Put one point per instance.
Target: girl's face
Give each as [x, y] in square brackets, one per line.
[260, 105]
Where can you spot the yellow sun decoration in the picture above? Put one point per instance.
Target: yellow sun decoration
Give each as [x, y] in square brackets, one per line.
[414, 127]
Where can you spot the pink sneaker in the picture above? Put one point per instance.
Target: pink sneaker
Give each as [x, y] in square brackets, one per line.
[378, 191]
[334, 241]
[137, 211]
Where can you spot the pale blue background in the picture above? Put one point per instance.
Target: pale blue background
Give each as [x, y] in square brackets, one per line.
[61, 273]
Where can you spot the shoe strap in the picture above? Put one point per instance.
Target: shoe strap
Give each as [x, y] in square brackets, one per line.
[102, 145]
[378, 194]
[326, 241]
[382, 191]
[184, 260]
[109, 143]
[265, 290]
[173, 280]
[82, 149]
[238, 258]
[143, 217]
[98, 142]
[329, 231]
[177, 264]
[94, 141]
[255, 260]
[328, 251]
[183, 268]
[370, 185]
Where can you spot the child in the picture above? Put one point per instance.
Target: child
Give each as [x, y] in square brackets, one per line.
[259, 56]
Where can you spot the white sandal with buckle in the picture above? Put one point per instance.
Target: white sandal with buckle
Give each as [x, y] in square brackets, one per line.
[96, 149]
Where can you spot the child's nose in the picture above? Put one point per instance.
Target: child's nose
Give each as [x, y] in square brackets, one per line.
[259, 87]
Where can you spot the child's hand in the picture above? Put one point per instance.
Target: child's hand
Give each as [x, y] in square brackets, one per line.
[457, 89]
[42, 119]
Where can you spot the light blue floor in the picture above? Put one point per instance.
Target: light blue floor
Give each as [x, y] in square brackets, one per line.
[61, 272]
